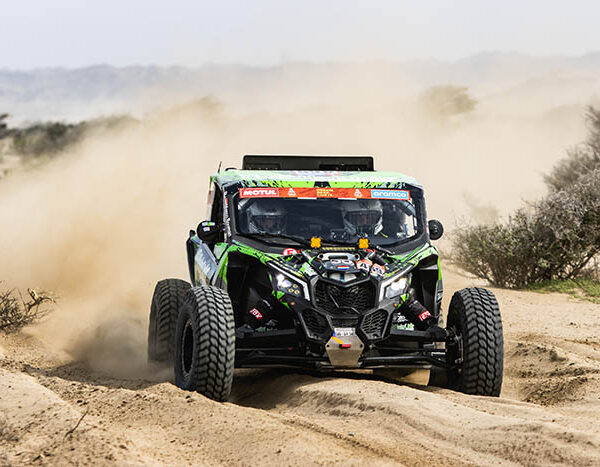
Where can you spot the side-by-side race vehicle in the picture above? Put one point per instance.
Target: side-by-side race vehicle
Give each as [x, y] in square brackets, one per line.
[319, 262]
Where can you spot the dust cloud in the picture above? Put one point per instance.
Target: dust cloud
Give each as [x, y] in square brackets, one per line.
[101, 224]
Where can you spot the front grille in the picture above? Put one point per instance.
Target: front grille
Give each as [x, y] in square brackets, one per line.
[316, 324]
[344, 321]
[332, 298]
[373, 324]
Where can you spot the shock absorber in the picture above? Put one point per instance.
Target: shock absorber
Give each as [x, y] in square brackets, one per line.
[260, 315]
[416, 313]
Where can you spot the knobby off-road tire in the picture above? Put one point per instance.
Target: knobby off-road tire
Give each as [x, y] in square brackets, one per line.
[474, 316]
[167, 300]
[205, 343]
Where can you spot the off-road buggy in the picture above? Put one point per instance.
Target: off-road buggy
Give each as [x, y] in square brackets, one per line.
[308, 262]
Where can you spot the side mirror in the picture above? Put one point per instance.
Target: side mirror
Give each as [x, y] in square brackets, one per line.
[436, 229]
[208, 231]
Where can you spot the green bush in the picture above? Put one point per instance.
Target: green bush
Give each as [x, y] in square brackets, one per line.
[46, 138]
[578, 288]
[54, 137]
[556, 238]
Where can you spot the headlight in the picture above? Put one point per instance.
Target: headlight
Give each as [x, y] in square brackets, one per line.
[283, 282]
[396, 287]
[286, 285]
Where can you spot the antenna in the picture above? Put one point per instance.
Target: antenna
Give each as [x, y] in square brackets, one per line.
[219, 168]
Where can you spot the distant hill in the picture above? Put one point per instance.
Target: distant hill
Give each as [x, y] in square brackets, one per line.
[73, 94]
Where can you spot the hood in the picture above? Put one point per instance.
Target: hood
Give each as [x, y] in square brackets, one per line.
[339, 266]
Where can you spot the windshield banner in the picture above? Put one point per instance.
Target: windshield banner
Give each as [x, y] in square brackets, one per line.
[324, 192]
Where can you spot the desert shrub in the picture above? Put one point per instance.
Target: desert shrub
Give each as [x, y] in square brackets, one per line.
[46, 138]
[446, 101]
[17, 311]
[581, 159]
[499, 253]
[53, 137]
[556, 238]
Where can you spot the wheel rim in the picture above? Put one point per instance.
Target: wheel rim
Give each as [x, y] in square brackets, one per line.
[187, 348]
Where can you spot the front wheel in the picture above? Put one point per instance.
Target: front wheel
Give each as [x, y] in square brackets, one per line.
[205, 343]
[166, 301]
[476, 344]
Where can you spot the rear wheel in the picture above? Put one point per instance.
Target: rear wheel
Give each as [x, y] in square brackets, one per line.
[166, 302]
[205, 343]
[476, 343]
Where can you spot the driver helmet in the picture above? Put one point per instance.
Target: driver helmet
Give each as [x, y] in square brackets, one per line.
[266, 216]
[363, 216]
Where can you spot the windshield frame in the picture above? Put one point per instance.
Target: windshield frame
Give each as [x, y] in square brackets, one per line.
[271, 244]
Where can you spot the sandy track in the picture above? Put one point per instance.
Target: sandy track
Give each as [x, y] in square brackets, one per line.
[548, 412]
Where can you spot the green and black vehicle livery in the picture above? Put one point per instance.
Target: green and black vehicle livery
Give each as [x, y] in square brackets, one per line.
[319, 262]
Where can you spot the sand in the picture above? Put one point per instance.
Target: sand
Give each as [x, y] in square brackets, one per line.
[57, 411]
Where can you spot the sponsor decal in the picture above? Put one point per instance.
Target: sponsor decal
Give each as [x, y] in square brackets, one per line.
[290, 251]
[343, 332]
[257, 314]
[324, 192]
[377, 270]
[259, 192]
[423, 316]
[391, 194]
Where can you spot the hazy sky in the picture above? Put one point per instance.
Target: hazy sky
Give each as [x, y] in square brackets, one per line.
[42, 33]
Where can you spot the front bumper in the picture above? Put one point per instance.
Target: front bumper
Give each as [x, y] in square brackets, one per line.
[401, 349]
[423, 358]
[329, 337]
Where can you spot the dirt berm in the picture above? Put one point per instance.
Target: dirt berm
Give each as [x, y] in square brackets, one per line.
[61, 413]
